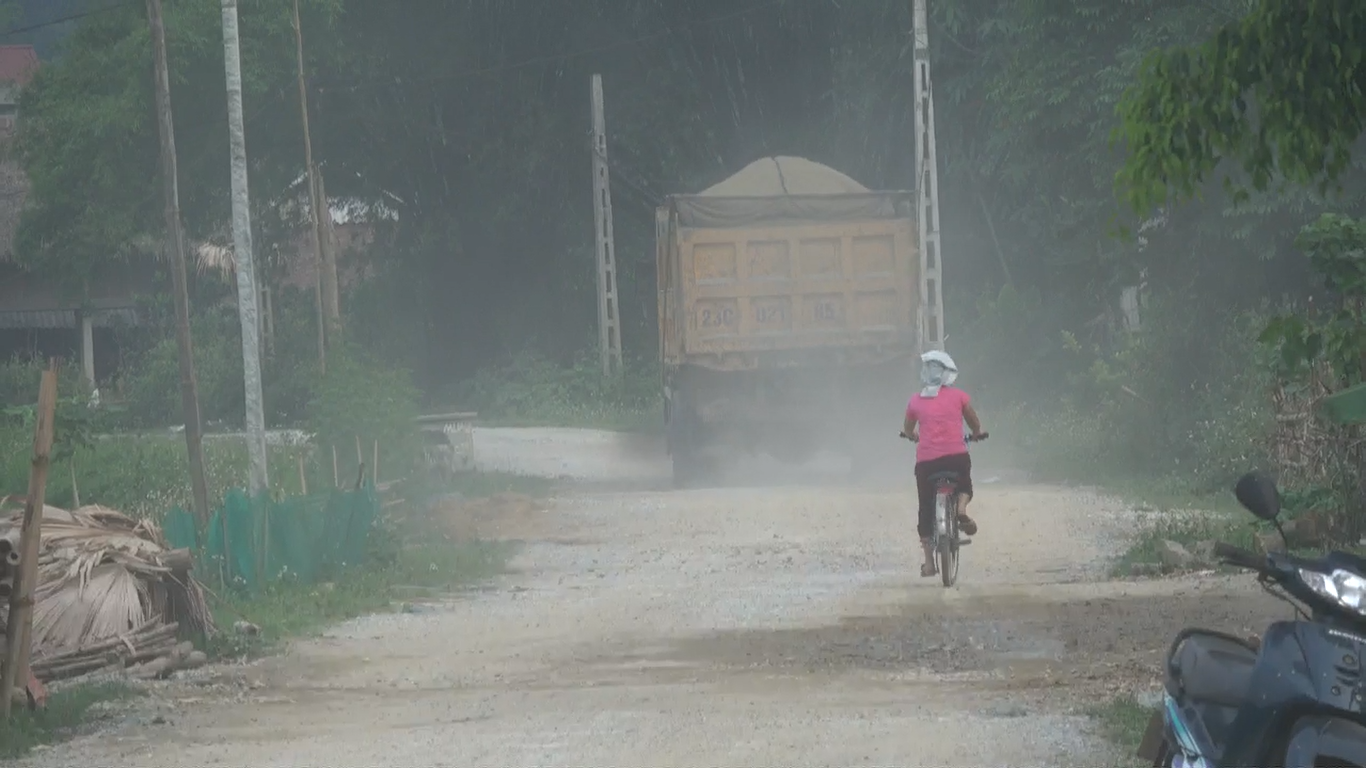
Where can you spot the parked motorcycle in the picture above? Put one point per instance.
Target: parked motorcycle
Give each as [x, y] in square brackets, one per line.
[1297, 700]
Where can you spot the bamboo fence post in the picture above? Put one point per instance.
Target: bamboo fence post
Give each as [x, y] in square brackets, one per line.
[19, 626]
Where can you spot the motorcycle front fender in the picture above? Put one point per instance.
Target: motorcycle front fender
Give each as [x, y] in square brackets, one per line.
[1306, 670]
[1320, 740]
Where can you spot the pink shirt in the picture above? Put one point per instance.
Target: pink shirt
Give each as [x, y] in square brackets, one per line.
[941, 423]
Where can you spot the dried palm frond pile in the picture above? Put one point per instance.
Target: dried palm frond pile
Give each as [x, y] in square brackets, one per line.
[110, 593]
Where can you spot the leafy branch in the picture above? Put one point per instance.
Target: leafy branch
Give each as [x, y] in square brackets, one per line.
[1336, 246]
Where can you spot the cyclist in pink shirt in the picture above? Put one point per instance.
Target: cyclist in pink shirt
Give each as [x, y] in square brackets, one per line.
[939, 411]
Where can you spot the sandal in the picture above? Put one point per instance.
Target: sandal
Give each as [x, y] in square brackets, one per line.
[967, 525]
[929, 569]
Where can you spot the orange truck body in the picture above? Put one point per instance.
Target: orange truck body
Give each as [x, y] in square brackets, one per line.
[776, 314]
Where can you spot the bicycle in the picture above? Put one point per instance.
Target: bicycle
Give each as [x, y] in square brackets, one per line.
[945, 541]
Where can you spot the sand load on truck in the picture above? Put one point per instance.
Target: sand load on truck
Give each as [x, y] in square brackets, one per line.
[110, 593]
[774, 191]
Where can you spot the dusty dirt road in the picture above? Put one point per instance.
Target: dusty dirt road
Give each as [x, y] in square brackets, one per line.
[743, 627]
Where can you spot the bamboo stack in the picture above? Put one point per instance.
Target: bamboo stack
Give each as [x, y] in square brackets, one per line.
[109, 595]
[151, 651]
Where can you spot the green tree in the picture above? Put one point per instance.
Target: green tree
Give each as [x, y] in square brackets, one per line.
[1279, 92]
[88, 138]
[470, 120]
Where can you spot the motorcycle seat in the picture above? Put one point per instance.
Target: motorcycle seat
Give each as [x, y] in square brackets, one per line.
[1212, 668]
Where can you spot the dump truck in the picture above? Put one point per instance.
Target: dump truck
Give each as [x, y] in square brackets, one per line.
[789, 323]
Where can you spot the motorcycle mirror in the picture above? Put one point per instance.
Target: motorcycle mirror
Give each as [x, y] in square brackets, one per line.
[1257, 493]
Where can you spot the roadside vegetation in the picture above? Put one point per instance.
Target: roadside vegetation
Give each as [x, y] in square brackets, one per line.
[414, 557]
[529, 389]
[69, 711]
[1168, 416]
[286, 610]
[129, 457]
[1122, 722]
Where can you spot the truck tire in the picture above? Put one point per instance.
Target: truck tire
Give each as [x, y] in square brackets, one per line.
[682, 444]
[685, 471]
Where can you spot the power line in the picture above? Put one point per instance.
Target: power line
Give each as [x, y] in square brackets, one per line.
[628, 178]
[558, 57]
[269, 99]
[549, 59]
[72, 17]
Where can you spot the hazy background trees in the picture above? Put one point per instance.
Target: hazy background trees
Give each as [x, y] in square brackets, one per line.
[470, 120]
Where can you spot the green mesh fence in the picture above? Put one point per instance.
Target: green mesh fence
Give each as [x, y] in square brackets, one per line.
[251, 542]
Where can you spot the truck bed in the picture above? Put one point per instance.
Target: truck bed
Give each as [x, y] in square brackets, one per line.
[832, 284]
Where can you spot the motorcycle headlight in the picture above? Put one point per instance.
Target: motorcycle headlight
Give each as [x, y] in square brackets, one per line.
[1342, 587]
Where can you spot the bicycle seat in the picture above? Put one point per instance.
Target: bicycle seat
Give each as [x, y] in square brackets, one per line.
[951, 477]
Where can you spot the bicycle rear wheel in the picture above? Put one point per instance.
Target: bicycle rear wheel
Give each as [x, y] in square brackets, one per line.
[947, 545]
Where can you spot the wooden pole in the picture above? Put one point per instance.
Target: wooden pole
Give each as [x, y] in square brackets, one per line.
[374, 464]
[75, 490]
[336, 478]
[19, 626]
[331, 288]
[303, 477]
[322, 323]
[227, 545]
[175, 252]
[327, 269]
[264, 544]
[268, 318]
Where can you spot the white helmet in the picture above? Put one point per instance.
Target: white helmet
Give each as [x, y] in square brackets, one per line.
[937, 370]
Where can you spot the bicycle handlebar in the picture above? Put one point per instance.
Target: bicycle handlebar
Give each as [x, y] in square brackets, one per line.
[968, 438]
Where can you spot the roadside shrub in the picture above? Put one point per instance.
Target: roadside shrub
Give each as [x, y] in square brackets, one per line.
[1010, 347]
[141, 475]
[530, 388]
[1188, 394]
[1185, 398]
[151, 381]
[360, 398]
[19, 377]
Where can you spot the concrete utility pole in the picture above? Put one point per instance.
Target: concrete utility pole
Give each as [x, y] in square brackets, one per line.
[175, 253]
[609, 323]
[329, 315]
[259, 478]
[927, 190]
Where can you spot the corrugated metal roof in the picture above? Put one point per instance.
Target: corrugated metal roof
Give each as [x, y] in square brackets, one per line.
[38, 319]
[64, 318]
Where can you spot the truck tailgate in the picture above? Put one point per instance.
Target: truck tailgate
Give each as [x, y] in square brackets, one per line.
[795, 287]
